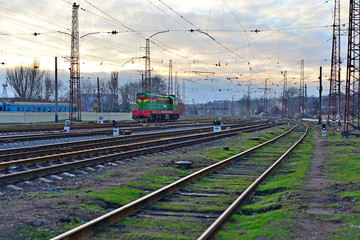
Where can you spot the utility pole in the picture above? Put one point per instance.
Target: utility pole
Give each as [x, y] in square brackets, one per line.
[170, 81]
[176, 92]
[320, 92]
[352, 93]
[56, 91]
[265, 96]
[98, 94]
[147, 67]
[335, 81]
[285, 95]
[142, 83]
[305, 100]
[302, 90]
[183, 96]
[248, 112]
[75, 95]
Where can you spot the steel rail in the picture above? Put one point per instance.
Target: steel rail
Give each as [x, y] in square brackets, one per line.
[75, 126]
[18, 153]
[89, 228]
[55, 169]
[16, 138]
[209, 233]
[89, 152]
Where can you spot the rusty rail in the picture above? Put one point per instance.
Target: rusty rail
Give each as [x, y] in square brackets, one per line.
[89, 228]
[55, 169]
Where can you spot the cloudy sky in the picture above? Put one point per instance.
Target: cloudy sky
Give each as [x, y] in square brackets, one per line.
[235, 42]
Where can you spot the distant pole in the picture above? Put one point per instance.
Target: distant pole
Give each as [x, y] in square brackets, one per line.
[305, 107]
[98, 94]
[56, 92]
[142, 82]
[320, 91]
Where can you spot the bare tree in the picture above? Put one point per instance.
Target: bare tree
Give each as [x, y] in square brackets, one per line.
[26, 81]
[113, 86]
[158, 85]
[129, 90]
[49, 87]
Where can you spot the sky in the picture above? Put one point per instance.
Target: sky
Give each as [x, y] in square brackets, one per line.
[217, 47]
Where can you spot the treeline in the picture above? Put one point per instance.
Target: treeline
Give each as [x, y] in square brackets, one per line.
[31, 83]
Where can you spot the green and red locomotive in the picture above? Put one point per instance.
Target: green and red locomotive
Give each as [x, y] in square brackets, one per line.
[153, 107]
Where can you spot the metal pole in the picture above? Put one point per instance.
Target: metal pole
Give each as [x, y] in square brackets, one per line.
[98, 94]
[56, 92]
[320, 91]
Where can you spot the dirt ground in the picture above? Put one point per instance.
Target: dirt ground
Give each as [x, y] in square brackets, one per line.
[32, 206]
[316, 195]
[49, 213]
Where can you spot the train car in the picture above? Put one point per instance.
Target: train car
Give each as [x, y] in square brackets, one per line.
[8, 106]
[153, 107]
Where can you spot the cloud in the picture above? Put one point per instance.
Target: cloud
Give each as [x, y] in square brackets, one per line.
[289, 31]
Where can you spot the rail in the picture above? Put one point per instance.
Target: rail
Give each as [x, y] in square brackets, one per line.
[110, 218]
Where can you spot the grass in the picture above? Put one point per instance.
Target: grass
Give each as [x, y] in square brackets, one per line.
[186, 208]
[27, 232]
[144, 235]
[176, 225]
[270, 225]
[73, 224]
[108, 174]
[65, 192]
[217, 153]
[270, 214]
[343, 167]
[157, 178]
[116, 197]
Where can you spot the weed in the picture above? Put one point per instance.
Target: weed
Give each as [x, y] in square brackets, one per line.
[27, 232]
[115, 197]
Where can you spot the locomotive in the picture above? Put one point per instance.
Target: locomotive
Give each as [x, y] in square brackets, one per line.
[154, 107]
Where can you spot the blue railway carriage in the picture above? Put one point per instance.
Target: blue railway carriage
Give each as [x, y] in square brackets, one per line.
[33, 107]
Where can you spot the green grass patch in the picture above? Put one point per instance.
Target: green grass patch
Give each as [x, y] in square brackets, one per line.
[117, 196]
[27, 232]
[109, 174]
[269, 213]
[157, 178]
[176, 225]
[217, 153]
[343, 167]
[145, 235]
[66, 192]
[270, 225]
[350, 194]
[189, 208]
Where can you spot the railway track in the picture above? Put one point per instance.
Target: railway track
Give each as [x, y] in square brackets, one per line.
[81, 127]
[88, 153]
[108, 131]
[204, 199]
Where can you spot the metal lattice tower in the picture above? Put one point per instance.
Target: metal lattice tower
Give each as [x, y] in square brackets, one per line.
[75, 96]
[302, 90]
[335, 82]
[170, 82]
[147, 67]
[352, 93]
[176, 91]
[285, 96]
